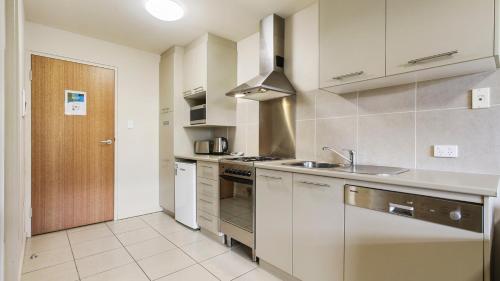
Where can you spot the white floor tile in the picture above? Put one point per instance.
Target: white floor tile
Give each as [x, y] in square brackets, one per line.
[258, 274]
[149, 248]
[126, 225]
[166, 228]
[229, 265]
[129, 272]
[95, 246]
[157, 218]
[61, 272]
[184, 237]
[139, 235]
[192, 273]
[165, 263]
[204, 249]
[88, 235]
[47, 258]
[101, 262]
[46, 242]
[88, 227]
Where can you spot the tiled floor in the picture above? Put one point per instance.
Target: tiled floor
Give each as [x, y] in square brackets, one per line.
[150, 247]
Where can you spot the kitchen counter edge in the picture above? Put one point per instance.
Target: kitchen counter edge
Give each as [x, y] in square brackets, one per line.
[207, 158]
[466, 183]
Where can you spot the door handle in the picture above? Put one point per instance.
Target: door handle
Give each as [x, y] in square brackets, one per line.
[106, 141]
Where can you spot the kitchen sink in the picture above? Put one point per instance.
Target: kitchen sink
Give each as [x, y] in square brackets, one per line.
[313, 165]
[357, 169]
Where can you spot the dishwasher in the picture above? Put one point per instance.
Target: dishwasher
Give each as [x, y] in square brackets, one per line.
[394, 236]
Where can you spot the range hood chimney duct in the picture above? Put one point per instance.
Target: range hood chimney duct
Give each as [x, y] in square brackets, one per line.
[271, 83]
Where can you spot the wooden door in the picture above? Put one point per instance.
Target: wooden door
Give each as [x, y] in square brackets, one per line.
[451, 31]
[352, 41]
[72, 170]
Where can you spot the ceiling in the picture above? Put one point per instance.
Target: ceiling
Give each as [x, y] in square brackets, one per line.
[126, 22]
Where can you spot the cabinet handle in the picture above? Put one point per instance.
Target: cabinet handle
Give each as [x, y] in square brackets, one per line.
[270, 177]
[206, 184]
[340, 77]
[206, 201]
[315, 183]
[424, 59]
[208, 167]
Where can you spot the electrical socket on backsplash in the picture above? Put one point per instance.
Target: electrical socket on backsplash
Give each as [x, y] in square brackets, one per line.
[446, 151]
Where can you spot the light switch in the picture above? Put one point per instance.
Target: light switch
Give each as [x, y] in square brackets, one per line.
[481, 98]
[130, 124]
[446, 151]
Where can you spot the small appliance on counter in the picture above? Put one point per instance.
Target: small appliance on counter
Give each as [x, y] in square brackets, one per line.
[203, 147]
[220, 146]
[198, 114]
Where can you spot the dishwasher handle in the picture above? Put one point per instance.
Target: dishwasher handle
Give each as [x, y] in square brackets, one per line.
[401, 210]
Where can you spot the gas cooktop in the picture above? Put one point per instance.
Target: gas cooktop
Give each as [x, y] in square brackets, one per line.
[254, 159]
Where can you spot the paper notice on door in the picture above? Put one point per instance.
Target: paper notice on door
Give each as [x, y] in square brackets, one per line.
[75, 103]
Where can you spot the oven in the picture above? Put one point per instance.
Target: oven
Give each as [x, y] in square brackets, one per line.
[198, 114]
[237, 202]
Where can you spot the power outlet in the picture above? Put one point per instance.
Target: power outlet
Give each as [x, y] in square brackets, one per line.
[446, 151]
[481, 98]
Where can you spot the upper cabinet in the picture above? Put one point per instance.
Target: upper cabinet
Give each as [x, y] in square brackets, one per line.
[429, 33]
[195, 66]
[209, 73]
[366, 44]
[352, 41]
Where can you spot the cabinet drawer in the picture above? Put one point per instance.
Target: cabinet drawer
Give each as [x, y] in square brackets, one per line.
[207, 188]
[208, 222]
[208, 205]
[207, 170]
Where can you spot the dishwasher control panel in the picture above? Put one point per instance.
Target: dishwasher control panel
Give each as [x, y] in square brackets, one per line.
[464, 215]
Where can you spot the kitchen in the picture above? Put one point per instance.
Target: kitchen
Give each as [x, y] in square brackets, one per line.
[377, 152]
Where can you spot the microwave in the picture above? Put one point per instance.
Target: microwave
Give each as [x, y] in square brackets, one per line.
[198, 114]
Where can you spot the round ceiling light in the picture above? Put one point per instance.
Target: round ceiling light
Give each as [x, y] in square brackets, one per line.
[165, 10]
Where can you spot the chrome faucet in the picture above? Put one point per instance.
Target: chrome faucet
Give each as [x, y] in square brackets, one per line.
[352, 155]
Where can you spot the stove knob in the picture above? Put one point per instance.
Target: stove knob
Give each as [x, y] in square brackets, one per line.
[456, 215]
[248, 174]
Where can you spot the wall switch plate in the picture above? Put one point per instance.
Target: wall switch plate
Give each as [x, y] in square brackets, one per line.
[130, 124]
[446, 151]
[481, 98]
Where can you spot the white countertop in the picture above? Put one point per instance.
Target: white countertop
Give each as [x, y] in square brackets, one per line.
[474, 184]
[203, 157]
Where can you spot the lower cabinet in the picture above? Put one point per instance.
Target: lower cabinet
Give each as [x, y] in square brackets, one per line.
[300, 224]
[207, 196]
[274, 218]
[318, 228]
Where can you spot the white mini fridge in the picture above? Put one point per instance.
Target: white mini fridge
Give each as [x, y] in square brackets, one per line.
[185, 193]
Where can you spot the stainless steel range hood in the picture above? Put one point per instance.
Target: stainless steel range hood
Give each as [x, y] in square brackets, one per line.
[271, 83]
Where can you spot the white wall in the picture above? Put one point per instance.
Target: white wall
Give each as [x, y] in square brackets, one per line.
[14, 196]
[2, 135]
[136, 161]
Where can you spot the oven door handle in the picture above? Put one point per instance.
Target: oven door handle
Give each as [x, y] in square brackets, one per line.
[236, 179]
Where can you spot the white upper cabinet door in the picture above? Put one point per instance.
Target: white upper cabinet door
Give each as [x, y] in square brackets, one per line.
[429, 33]
[195, 66]
[352, 41]
[318, 228]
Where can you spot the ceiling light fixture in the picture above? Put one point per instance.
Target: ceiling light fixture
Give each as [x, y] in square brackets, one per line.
[165, 10]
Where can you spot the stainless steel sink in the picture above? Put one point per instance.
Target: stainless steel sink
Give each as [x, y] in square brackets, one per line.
[357, 169]
[313, 165]
[372, 170]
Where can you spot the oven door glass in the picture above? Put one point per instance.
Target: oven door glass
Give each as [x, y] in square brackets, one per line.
[237, 202]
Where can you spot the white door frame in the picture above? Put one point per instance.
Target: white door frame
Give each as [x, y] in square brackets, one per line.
[27, 143]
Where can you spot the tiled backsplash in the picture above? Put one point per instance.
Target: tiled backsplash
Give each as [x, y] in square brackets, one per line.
[395, 126]
[398, 126]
